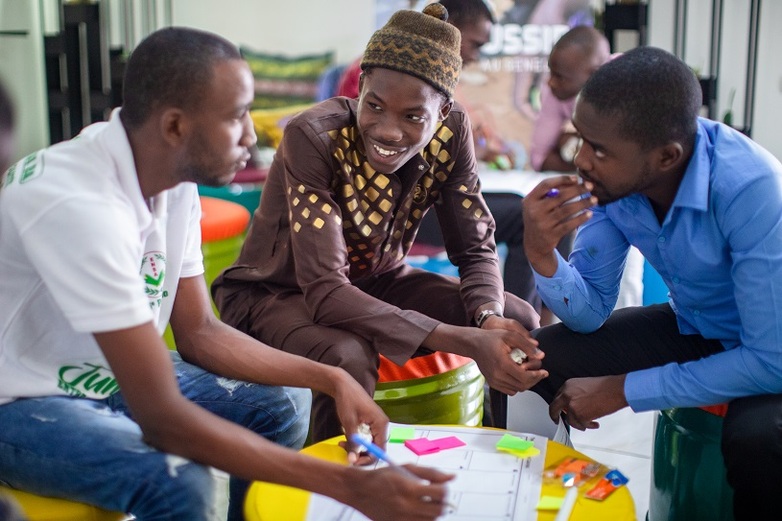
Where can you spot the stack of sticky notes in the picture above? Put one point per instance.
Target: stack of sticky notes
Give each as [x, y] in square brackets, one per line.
[517, 446]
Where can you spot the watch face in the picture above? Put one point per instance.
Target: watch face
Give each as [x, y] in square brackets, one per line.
[483, 315]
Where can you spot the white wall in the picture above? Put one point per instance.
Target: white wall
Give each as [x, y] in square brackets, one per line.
[308, 26]
[285, 26]
[768, 94]
[733, 62]
[22, 25]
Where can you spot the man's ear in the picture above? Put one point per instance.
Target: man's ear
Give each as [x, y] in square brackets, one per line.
[445, 109]
[173, 126]
[361, 78]
[670, 156]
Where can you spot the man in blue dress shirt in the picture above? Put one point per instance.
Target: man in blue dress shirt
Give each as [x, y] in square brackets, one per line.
[703, 203]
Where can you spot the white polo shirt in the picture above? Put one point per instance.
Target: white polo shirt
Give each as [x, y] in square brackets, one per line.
[81, 252]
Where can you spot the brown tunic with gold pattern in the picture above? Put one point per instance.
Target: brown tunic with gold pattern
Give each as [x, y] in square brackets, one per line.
[327, 221]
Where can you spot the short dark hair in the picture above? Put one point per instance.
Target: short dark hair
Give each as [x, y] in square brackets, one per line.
[6, 111]
[462, 12]
[656, 95]
[588, 39]
[172, 67]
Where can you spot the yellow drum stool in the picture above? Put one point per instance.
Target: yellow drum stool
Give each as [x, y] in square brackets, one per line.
[39, 508]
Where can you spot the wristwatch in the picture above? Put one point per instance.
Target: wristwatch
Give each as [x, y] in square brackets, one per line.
[569, 149]
[486, 313]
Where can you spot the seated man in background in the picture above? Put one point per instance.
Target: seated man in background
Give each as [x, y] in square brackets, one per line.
[99, 246]
[322, 272]
[573, 59]
[704, 205]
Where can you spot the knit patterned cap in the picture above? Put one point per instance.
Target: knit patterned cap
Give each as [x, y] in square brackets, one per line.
[423, 45]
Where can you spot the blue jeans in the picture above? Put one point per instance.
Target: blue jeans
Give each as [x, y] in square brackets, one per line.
[92, 451]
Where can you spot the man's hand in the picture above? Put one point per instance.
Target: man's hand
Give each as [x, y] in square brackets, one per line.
[491, 351]
[552, 210]
[584, 400]
[354, 407]
[388, 495]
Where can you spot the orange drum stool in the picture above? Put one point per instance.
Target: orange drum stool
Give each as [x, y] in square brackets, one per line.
[223, 224]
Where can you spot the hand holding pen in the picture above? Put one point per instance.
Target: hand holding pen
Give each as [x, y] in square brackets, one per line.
[551, 211]
[430, 496]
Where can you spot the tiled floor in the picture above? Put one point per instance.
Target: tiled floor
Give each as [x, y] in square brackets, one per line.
[624, 441]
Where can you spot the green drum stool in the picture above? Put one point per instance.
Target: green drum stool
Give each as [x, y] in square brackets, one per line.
[223, 225]
[440, 388]
[688, 471]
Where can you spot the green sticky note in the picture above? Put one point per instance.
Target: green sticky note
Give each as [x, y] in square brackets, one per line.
[511, 442]
[401, 434]
[550, 503]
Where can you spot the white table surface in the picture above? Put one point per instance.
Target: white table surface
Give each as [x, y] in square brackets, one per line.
[518, 182]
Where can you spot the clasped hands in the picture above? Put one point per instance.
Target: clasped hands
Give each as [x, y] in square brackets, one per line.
[495, 361]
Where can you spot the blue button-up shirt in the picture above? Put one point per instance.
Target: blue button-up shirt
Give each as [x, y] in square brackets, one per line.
[719, 251]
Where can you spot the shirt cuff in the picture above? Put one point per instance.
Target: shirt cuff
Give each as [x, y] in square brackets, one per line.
[642, 390]
[561, 278]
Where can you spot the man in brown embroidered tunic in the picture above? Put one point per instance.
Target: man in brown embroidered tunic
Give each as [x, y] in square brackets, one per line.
[322, 271]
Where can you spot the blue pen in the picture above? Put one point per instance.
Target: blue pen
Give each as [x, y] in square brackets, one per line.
[382, 455]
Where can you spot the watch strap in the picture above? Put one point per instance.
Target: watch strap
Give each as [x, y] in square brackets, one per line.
[485, 314]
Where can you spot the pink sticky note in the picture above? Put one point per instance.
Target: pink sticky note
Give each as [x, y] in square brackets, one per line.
[451, 442]
[422, 446]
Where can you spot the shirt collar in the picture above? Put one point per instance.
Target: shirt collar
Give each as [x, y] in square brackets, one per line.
[118, 143]
[694, 189]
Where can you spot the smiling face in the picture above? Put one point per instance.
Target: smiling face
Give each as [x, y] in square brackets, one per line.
[616, 166]
[397, 115]
[221, 128]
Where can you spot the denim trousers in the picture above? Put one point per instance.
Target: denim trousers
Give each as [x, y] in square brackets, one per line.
[92, 451]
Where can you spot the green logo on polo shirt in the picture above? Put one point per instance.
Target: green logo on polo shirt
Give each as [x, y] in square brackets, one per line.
[87, 381]
[153, 272]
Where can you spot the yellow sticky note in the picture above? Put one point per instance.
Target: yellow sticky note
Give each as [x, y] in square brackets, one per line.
[532, 451]
[549, 503]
